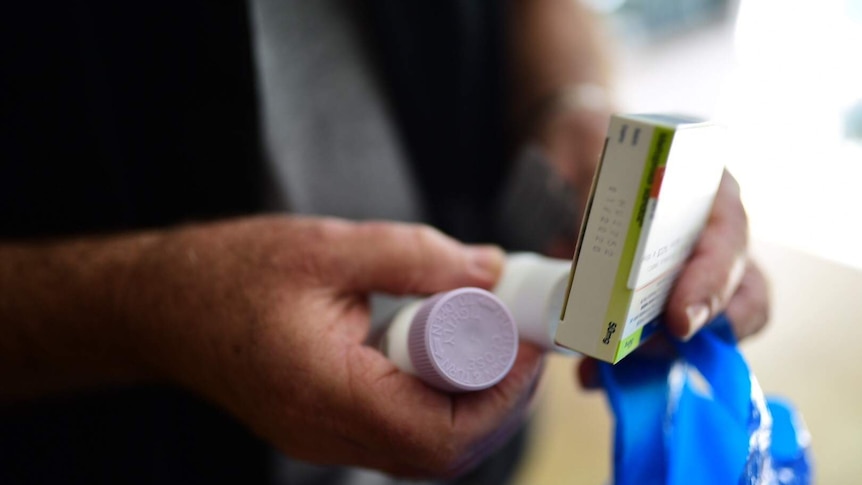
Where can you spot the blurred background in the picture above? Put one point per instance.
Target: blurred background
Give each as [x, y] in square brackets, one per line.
[786, 78]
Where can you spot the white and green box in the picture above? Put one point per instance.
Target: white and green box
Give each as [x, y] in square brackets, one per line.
[651, 197]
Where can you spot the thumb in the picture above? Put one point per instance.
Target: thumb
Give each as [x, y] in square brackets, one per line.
[412, 259]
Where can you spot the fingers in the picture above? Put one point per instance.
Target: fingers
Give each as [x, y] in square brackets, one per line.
[716, 267]
[440, 434]
[410, 259]
[587, 374]
[748, 310]
[497, 413]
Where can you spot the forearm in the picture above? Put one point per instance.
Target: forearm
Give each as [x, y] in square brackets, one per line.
[64, 314]
[554, 44]
[560, 97]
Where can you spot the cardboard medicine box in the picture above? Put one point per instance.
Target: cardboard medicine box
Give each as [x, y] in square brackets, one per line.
[651, 197]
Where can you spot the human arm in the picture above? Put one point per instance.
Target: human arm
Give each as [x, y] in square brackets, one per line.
[561, 85]
[61, 312]
[265, 317]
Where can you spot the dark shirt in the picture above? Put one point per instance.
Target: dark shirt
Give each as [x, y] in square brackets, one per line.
[126, 115]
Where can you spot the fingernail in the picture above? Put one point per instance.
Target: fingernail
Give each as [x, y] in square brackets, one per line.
[697, 315]
[486, 261]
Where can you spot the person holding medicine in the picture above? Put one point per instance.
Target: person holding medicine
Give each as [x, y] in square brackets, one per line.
[186, 251]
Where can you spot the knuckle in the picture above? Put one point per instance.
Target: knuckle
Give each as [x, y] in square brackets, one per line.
[376, 230]
[405, 237]
[308, 254]
[426, 237]
[331, 230]
[421, 248]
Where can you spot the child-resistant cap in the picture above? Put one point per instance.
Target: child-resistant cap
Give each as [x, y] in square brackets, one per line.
[463, 340]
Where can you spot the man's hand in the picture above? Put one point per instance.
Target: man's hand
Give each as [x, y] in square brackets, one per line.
[267, 317]
[718, 277]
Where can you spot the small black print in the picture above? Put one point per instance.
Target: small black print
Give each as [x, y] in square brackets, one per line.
[612, 327]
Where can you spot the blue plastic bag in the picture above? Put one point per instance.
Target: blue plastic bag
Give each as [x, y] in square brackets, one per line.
[701, 418]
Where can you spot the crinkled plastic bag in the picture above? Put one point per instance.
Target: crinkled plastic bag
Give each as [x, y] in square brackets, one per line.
[701, 418]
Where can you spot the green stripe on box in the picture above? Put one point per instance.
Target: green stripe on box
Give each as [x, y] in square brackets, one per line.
[621, 294]
[627, 345]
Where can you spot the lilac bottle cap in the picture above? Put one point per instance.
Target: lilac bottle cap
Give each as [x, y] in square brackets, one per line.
[463, 340]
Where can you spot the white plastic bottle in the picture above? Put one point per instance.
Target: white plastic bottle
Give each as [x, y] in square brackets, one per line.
[533, 287]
